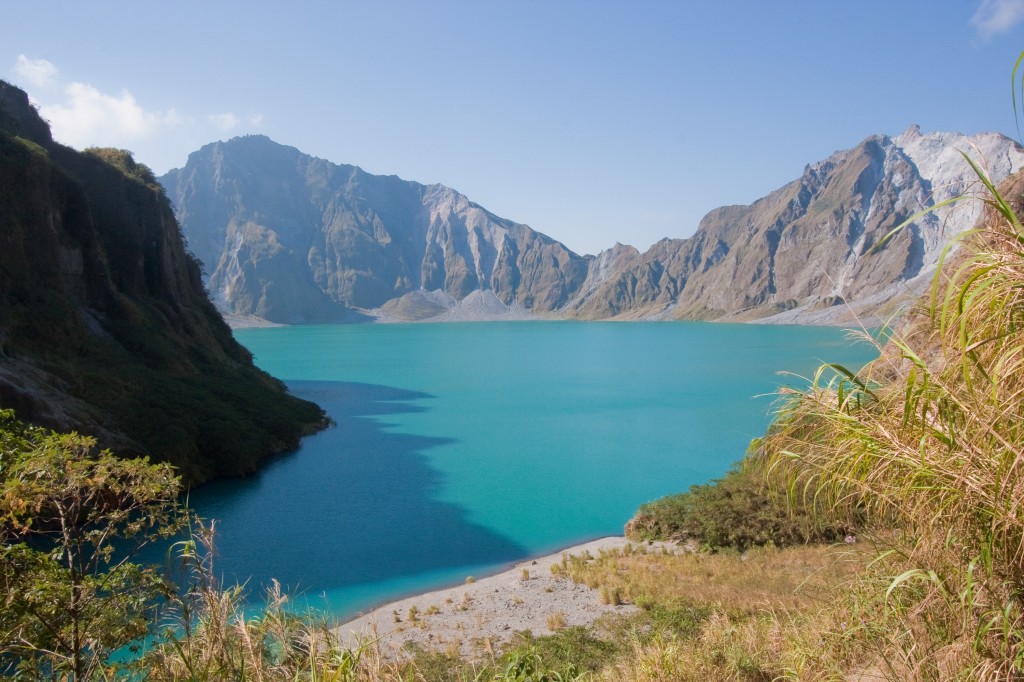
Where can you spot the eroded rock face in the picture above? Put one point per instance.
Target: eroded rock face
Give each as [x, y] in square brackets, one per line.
[810, 244]
[291, 238]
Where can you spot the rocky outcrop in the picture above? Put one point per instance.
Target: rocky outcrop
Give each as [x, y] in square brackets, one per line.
[105, 327]
[291, 238]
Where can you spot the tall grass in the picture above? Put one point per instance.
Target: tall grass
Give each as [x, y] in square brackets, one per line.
[207, 635]
[929, 440]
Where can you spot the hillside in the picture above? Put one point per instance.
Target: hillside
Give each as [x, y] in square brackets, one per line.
[291, 238]
[105, 326]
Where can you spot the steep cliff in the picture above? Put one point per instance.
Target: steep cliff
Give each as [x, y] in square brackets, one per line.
[105, 326]
[292, 238]
[807, 247]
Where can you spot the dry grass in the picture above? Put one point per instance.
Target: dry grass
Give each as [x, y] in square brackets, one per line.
[763, 578]
[931, 439]
[556, 621]
[764, 614]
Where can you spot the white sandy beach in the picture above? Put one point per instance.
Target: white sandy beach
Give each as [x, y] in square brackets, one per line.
[476, 617]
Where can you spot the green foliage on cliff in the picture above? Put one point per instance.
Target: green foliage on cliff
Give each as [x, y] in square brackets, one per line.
[123, 160]
[105, 326]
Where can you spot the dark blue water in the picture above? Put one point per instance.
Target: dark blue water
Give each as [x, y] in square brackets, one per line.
[460, 448]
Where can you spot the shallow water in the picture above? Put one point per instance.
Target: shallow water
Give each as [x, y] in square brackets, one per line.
[460, 448]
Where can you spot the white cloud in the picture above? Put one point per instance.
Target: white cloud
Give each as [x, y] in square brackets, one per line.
[225, 122]
[81, 115]
[997, 16]
[37, 72]
[90, 117]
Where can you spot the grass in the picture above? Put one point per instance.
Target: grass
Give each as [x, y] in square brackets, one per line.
[740, 584]
[699, 621]
[556, 620]
[930, 440]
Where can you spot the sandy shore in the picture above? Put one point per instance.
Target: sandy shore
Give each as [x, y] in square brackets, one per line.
[476, 617]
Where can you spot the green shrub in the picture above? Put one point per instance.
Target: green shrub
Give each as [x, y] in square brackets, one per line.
[72, 520]
[570, 651]
[740, 510]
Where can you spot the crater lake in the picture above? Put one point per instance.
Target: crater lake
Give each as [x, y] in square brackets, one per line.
[460, 448]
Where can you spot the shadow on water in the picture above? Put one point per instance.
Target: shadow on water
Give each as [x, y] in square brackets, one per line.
[355, 504]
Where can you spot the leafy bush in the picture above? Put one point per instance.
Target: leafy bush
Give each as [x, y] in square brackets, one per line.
[740, 510]
[71, 521]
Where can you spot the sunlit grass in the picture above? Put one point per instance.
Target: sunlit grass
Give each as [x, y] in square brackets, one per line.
[930, 439]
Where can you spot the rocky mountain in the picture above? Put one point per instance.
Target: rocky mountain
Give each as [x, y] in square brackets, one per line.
[291, 238]
[804, 252]
[105, 327]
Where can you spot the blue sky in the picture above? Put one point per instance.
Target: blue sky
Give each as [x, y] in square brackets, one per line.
[591, 121]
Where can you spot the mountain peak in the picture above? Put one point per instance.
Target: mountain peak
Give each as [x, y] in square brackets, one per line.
[295, 239]
[18, 115]
[913, 131]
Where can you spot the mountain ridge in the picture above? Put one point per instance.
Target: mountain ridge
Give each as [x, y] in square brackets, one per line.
[306, 240]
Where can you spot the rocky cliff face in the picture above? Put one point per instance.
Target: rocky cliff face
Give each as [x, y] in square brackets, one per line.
[808, 247]
[291, 238]
[105, 326]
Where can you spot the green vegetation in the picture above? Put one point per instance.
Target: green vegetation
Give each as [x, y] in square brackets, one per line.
[738, 511]
[71, 520]
[123, 160]
[105, 326]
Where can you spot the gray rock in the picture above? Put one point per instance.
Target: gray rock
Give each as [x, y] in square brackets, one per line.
[290, 238]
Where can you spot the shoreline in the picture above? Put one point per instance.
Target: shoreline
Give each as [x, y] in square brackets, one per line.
[475, 618]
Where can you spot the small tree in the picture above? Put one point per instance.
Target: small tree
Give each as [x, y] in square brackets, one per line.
[72, 521]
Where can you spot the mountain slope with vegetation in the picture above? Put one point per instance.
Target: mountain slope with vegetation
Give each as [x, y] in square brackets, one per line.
[929, 440]
[105, 327]
[920, 454]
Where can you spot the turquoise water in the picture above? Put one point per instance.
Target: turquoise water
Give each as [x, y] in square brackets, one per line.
[460, 448]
